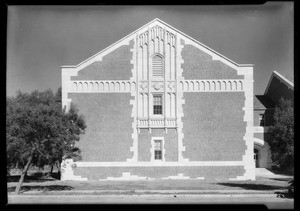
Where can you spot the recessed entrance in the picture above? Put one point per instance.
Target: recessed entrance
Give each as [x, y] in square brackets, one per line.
[256, 158]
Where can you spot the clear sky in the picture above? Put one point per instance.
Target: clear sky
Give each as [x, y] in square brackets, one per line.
[40, 39]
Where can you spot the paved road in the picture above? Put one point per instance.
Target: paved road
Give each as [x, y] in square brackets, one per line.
[270, 202]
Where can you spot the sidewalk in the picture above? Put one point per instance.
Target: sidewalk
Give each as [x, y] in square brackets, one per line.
[203, 193]
[261, 187]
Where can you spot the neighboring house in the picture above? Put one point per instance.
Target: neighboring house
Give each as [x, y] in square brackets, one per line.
[160, 104]
[264, 107]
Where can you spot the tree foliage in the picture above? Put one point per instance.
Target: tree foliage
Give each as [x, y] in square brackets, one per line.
[39, 130]
[282, 135]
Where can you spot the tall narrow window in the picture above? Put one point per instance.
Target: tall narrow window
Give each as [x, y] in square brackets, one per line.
[157, 66]
[261, 120]
[157, 104]
[157, 150]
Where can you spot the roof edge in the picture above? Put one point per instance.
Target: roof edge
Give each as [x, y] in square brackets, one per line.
[164, 23]
[281, 78]
[219, 54]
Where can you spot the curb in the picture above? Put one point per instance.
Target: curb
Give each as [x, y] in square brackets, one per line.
[152, 192]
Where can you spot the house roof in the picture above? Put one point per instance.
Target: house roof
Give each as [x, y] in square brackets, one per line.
[262, 102]
[281, 78]
[167, 25]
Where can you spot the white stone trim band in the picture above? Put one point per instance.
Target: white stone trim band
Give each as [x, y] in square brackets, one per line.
[211, 85]
[151, 164]
[103, 86]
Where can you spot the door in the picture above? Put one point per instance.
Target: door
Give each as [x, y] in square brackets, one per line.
[256, 158]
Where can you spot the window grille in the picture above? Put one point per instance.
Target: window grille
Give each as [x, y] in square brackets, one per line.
[157, 66]
[157, 104]
[157, 150]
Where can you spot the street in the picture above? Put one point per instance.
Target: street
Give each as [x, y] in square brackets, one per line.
[270, 202]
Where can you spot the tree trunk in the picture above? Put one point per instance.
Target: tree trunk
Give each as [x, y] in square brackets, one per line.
[58, 169]
[18, 188]
[51, 170]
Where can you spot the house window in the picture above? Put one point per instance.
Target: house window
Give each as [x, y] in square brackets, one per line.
[261, 120]
[157, 150]
[157, 104]
[157, 66]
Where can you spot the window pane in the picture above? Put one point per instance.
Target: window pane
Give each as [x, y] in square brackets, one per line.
[261, 120]
[158, 155]
[157, 104]
[157, 145]
[158, 150]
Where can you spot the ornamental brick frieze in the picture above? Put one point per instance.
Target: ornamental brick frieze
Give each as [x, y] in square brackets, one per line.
[157, 86]
[143, 86]
[211, 85]
[103, 86]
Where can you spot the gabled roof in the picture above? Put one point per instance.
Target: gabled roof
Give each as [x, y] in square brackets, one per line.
[262, 102]
[171, 27]
[282, 79]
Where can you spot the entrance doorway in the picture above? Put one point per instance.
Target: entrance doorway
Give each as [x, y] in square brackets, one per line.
[256, 158]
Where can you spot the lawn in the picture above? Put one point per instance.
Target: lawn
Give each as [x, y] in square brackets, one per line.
[38, 182]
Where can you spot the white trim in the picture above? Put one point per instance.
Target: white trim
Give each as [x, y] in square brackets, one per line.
[67, 173]
[258, 141]
[152, 164]
[260, 129]
[248, 158]
[158, 22]
[180, 101]
[126, 176]
[281, 78]
[178, 176]
[212, 85]
[134, 135]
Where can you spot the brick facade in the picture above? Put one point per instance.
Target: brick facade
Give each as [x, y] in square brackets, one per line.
[214, 127]
[198, 64]
[114, 66]
[207, 173]
[102, 113]
[204, 129]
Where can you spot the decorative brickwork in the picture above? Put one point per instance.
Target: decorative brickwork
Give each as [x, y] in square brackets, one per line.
[108, 136]
[158, 83]
[200, 65]
[170, 144]
[113, 66]
[195, 172]
[214, 126]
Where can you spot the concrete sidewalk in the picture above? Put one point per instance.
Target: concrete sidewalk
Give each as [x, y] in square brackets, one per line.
[204, 193]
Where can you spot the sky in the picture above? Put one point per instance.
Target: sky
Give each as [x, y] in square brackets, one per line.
[40, 39]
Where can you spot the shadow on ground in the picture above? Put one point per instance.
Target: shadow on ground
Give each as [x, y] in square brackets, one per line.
[284, 194]
[252, 186]
[282, 179]
[41, 188]
[36, 177]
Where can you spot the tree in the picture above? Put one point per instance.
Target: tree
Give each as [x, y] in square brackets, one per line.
[282, 135]
[39, 131]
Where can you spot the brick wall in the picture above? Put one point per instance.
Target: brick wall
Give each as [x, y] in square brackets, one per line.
[109, 126]
[114, 66]
[209, 173]
[170, 144]
[214, 127]
[199, 65]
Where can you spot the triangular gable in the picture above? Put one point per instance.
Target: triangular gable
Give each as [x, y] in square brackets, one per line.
[188, 40]
[281, 78]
